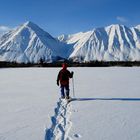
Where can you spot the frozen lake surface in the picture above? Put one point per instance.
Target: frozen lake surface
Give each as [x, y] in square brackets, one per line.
[106, 105]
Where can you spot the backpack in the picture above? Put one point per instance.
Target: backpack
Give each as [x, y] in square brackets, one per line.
[64, 75]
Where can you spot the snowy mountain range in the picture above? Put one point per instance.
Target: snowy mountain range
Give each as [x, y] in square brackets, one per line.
[112, 43]
[30, 43]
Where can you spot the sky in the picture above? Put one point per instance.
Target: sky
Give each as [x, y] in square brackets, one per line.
[68, 16]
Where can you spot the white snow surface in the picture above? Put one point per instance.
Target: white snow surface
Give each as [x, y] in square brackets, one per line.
[106, 105]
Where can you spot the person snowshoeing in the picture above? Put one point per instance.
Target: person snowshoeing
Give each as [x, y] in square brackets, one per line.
[63, 80]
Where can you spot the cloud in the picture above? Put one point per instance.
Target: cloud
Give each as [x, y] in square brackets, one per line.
[4, 29]
[121, 19]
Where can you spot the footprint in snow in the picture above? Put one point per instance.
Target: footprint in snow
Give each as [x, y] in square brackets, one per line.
[77, 136]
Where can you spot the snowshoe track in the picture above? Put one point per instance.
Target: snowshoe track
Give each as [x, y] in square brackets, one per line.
[61, 123]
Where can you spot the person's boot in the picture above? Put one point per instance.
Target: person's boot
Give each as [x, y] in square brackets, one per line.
[67, 97]
[63, 97]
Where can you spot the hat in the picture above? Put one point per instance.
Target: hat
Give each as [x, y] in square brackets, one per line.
[64, 66]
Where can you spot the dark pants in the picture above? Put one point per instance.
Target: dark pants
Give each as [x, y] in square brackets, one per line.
[65, 90]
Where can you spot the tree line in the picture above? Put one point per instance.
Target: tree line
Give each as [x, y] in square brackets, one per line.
[71, 64]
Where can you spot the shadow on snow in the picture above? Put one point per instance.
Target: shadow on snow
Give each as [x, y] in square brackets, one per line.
[106, 99]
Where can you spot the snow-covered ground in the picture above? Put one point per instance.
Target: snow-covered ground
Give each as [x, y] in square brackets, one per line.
[106, 106]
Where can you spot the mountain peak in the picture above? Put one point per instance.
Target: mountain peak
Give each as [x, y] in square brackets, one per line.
[29, 23]
[138, 26]
[34, 27]
[115, 26]
[30, 43]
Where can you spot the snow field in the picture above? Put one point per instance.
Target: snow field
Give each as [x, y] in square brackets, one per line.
[27, 100]
[106, 106]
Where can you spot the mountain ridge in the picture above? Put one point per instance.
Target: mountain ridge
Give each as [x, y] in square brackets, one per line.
[111, 43]
[30, 43]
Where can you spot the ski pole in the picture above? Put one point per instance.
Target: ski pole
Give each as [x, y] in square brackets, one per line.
[73, 87]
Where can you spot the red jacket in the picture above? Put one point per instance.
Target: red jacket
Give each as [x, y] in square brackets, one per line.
[63, 76]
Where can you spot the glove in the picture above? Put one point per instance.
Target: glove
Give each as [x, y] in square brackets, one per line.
[58, 83]
[72, 73]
